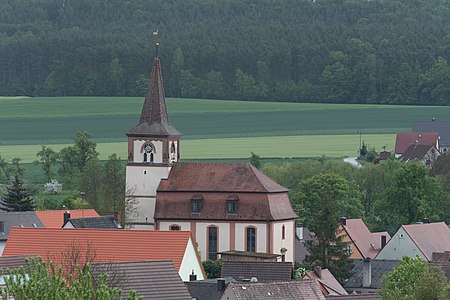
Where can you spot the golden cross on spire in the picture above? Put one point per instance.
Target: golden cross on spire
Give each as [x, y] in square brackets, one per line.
[155, 34]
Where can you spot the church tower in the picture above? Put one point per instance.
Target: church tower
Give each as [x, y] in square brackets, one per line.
[153, 146]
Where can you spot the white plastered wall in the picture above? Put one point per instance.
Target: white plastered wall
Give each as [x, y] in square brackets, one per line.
[398, 246]
[261, 236]
[185, 226]
[190, 263]
[288, 242]
[2, 247]
[138, 156]
[223, 237]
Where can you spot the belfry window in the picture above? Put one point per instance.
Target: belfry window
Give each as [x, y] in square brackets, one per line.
[148, 153]
[172, 151]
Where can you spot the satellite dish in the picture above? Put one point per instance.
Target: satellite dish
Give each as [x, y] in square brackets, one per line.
[253, 279]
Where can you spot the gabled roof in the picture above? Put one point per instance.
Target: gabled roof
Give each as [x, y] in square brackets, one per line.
[218, 177]
[416, 152]
[288, 290]
[330, 285]
[55, 218]
[150, 279]
[94, 222]
[18, 219]
[207, 289]
[154, 120]
[379, 268]
[263, 271]
[14, 262]
[404, 139]
[368, 243]
[110, 245]
[441, 127]
[429, 237]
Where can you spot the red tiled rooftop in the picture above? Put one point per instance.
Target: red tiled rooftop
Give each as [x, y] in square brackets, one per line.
[405, 139]
[55, 218]
[218, 177]
[109, 245]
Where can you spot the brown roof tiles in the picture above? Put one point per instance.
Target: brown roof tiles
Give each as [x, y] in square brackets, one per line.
[55, 218]
[404, 139]
[263, 271]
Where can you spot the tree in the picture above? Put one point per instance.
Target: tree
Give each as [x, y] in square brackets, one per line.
[18, 197]
[76, 156]
[412, 196]
[114, 185]
[255, 160]
[324, 198]
[47, 157]
[413, 279]
[91, 183]
[41, 281]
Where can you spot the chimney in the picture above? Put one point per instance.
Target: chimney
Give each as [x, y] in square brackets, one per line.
[66, 217]
[426, 221]
[220, 284]
[383, 241]
[367, 273]
[192, 277]
[318, 271]
[343, 221]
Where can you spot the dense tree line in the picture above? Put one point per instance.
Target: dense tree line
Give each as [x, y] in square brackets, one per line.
[390, 51]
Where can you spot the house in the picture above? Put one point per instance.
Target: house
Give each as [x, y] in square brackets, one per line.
[405, 139]
[105, 222]
[367, 274]
[286, 290]
[107, 245]
[424, 240]
[8, 263]
[248, 256]
[210, 289]
[327, 282]
[16, 219]
[441, 127]
[150, 279]
[426, 154]
[263, 271]
[361, 242]
[56, 219]
[227, 207]
[384, 155]
[302, 236]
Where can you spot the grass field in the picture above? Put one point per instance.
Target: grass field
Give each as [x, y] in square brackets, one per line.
[211, 128]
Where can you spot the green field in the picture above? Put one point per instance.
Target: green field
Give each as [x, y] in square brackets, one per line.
[211, 128]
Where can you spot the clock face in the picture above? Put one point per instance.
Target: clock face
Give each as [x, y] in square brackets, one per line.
[148, 148]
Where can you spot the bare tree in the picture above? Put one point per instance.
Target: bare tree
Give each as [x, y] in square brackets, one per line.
[131, 207]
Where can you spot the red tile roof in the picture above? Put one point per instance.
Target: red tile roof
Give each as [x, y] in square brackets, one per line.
[218, 177]
[429, 238]
[405, 139]
[329, 283]
[55, 218]
[363, 239]
[109, 245]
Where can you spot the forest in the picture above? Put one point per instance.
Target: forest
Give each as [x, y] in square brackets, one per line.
[337, 51]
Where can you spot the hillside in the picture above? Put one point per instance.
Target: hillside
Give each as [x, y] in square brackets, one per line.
[342, 51]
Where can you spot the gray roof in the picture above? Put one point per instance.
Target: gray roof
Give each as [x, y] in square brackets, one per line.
[263, 271]
[441, 127]
[95, 222]
[150, 279]
[18, 219]
[207, 289]
[379, 269]
[14, 262]
[296, 289]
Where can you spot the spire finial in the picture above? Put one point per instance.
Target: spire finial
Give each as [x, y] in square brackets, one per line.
[155, 34]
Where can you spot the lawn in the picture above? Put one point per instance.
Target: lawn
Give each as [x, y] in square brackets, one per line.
[275, 146]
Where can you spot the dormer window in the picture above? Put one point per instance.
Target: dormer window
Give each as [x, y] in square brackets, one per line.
[196, 203]
[232, 204]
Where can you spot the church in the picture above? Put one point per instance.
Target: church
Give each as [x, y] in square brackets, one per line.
[226, 206]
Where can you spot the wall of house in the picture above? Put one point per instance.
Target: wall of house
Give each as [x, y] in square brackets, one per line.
[228, 294]
[2, 247]
[142, 182]
[190, 263]
[398, 246]
[355, 254]
[288, 242]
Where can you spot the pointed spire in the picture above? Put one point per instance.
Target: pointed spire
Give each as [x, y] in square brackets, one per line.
[154, 119]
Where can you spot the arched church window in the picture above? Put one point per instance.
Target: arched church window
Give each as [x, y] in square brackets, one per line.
[148, 152]
[250, 239]
[172, 151]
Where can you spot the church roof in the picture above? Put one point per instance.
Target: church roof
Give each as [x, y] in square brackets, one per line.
[218, 177]
[154, 120]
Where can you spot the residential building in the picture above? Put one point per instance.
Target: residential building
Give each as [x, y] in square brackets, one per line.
[360, 241]
[405, 139]
[302, 236]
[210, 289]
[107, 245]
[105, 222]
[442, 128]
[327, 282]
[425, 154]
[56, 219]
[424, 240]
[263, 271]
